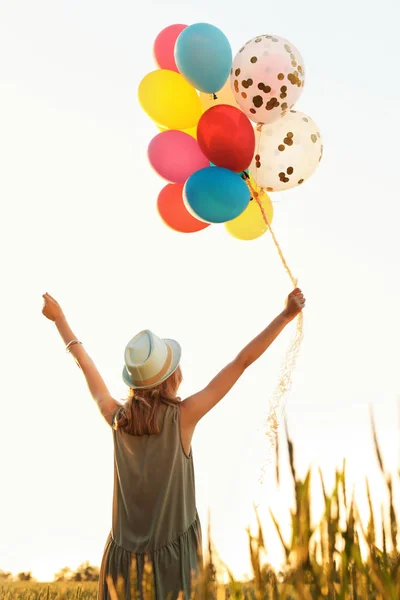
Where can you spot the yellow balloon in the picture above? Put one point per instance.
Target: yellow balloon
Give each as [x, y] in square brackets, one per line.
[192, 131]
[250, 224]
[224, 96]
[170, 100]
[254, 185]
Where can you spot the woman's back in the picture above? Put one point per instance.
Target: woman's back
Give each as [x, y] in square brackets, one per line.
[154, 489]
[154, 510]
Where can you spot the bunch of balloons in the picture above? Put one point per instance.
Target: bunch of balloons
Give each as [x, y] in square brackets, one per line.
[227, 131]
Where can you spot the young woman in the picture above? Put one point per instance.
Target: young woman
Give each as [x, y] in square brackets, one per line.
[155, 522]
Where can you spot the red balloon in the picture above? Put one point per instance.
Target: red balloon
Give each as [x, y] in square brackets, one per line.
[173, 211]
[226, 137]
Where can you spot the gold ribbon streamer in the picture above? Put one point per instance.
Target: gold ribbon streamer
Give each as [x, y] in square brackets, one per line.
[289, 363]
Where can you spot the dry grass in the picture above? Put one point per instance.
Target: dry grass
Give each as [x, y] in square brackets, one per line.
[322, 561]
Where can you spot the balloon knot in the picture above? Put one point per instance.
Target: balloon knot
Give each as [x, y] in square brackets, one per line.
[215, 97]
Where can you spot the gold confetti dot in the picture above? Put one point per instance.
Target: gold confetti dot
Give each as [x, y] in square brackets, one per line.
[271, 104]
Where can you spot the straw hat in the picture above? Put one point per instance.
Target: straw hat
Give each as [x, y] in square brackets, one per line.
[149, 360]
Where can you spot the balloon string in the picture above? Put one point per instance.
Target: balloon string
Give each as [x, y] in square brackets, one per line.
[289, 364]
[256, 197]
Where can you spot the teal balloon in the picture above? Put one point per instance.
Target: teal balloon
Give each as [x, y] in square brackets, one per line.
[247, 171]
[216, 195]
[203, 56]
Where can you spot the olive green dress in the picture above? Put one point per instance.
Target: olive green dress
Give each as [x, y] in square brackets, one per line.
[156, 533]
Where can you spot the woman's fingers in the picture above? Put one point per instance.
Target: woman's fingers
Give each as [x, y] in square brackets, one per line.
[299, 299]
[296, 293]
[48, 298]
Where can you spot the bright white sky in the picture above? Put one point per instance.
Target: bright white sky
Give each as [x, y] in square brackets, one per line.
[79, 221]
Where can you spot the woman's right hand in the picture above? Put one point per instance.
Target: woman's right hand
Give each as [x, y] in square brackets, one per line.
[51, 309]
[294, 304]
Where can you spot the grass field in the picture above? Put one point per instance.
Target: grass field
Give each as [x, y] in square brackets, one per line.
[31, 590]
[323, 560]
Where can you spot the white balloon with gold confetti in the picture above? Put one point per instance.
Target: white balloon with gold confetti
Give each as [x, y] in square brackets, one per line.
[267, 78]
[287, 152]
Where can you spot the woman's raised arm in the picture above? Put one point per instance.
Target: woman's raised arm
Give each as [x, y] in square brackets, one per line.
[196, 406]
[97, 387]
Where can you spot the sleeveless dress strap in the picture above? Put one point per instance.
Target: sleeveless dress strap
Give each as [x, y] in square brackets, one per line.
[114, 417]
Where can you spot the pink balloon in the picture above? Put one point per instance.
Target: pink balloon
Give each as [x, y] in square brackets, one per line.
[164, 47]
[175, 156]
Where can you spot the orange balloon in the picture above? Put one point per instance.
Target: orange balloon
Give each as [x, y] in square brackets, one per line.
[173, 211]
[224, 96]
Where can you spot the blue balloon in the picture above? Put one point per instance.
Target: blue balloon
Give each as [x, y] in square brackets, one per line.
[204, 57]
[216, 195]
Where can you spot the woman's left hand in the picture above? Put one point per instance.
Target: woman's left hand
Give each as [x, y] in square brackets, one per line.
[294, 305]
[51, 309]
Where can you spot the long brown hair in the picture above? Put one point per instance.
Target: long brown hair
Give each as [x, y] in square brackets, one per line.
[140, 415]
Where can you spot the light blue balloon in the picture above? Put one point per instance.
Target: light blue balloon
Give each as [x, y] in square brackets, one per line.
[216, 195]
[204, 57]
